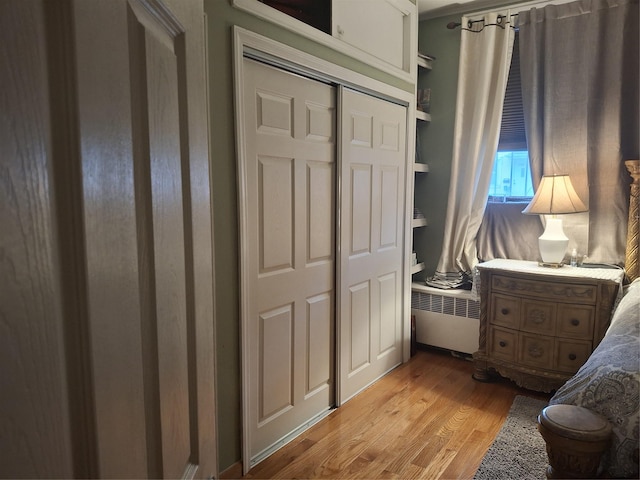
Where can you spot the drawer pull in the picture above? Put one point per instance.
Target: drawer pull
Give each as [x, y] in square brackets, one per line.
[575, 322]
[502, 343]
[504, 311]
[572, 356]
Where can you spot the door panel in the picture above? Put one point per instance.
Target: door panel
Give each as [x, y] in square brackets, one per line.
[275, 190]
[387, 285]
[372, 150]
[361, 210]
[158, 103]
[37, 424]
[276, 382]
[111, 220]
[319, 327]
[389, 202]
[288, 167]
[360, 327]
[147, 217]
[320, 181]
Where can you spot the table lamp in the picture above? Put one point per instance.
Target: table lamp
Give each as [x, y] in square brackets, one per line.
[555, 195]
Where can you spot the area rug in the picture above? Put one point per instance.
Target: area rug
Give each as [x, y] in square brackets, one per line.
[519, 450]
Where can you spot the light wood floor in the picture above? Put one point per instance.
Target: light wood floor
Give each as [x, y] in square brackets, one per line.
[426, 419]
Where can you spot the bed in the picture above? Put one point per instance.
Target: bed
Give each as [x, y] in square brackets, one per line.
[609, 382]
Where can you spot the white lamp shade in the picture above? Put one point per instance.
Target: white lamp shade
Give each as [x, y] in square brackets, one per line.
[555, 195]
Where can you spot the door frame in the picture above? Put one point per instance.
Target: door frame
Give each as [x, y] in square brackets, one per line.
[252, 45]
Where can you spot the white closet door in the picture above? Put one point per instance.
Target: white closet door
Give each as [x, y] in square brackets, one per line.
[288, 170]
[372, 146]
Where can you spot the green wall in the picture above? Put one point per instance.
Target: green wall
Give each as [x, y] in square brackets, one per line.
[221, 16]
[436, 137]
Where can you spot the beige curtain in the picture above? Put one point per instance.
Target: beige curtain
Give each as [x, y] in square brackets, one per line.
[507, 233]
[485, 56]
[579, 66]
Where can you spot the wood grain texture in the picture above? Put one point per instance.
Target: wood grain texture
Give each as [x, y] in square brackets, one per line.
[106, 258]
[632, 260]
[35, 438]
[426, 419]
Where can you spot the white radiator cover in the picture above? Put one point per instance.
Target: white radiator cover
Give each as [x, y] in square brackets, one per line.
[448, 319]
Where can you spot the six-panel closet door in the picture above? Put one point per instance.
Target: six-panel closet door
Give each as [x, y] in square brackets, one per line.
[288, 254]
[308, 313]
[373, 161]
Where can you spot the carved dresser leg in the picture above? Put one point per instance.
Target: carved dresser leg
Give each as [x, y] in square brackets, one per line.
[576, 438]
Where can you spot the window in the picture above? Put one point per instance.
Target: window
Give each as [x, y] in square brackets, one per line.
[511, 176]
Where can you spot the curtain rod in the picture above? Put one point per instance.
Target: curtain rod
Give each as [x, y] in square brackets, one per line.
[518, 7]
[470, 23]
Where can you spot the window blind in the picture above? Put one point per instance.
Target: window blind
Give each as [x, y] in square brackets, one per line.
[512, 134]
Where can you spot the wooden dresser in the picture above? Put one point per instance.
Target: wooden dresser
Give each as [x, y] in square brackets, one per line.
[538, 325]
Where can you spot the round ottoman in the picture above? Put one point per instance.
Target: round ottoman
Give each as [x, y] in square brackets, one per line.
[576, 439]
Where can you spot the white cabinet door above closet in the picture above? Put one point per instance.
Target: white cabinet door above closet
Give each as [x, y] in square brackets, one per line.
[382, 28]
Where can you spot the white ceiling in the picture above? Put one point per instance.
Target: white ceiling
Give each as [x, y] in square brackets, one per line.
[437, 8]
[425, 6]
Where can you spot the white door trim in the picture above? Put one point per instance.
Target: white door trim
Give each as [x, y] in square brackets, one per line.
[247, 43]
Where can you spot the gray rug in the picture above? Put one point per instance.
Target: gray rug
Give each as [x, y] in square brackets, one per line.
[519, 450]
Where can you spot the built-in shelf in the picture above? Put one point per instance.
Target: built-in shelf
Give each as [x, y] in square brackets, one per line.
[424, 116]
[420, 167]
[419, 222]
[417, 268]
[424, 62]
[452, 292]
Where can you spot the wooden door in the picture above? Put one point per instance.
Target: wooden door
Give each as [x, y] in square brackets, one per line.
[372, 148]
[147, 216]
[123, 186]
[288, 212]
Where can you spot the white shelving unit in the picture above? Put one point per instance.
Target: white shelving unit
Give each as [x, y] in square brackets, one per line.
[424, 63]
[417, 268]
[419, 222]
[425, 117]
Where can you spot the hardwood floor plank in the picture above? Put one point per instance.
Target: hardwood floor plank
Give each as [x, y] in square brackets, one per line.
[467, 461]
[426, 419]
[430, 423]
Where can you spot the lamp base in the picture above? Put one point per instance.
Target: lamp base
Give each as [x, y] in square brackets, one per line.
[551, 264]
[553, 242]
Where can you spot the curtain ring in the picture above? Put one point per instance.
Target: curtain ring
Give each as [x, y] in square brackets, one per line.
[499, 19]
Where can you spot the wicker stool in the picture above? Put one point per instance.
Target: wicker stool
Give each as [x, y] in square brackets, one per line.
[576, 439]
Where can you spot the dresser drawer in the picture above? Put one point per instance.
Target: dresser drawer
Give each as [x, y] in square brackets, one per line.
[546, 290]
[536, 350]
[503, 343]
[571, 354]
[539, 325]
[506, 311]
[575, 321]
[538, 317]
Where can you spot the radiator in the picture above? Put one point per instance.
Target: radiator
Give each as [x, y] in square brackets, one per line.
[448, 319]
